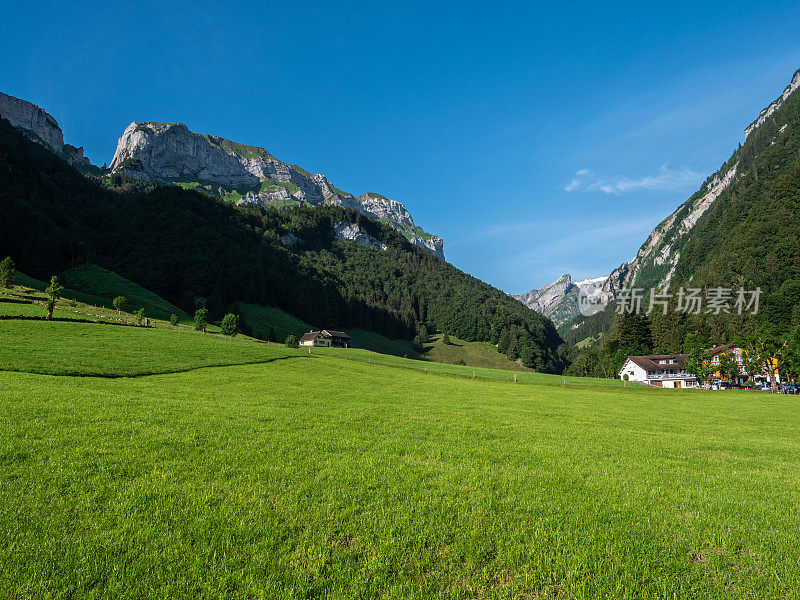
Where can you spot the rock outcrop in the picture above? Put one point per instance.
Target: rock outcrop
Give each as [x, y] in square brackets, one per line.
[350, 232]
[559, 300]
[41, 126]
[433, 244]
[170, 153]
[775, 105]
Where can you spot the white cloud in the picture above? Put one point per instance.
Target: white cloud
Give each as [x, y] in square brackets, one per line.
[666, 179]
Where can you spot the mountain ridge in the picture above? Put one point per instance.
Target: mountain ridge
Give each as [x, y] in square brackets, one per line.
[659, 258]
[170, 153]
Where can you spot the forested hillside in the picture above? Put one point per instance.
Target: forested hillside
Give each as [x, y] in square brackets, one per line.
[747, 238]
[186, 246]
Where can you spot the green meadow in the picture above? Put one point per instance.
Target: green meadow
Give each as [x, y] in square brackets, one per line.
[166, 463]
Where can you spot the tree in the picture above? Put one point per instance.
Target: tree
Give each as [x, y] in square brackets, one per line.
[291, 341]
[119, 303]
[446, 339]
[201, 319]
[418, 343]
[728, 367]
[53, 292]
[698, 363]
[762, 354]
[229, 325]
[423, 333]
[271, 335]
[139, 316]
[8, 271]
[173, 319]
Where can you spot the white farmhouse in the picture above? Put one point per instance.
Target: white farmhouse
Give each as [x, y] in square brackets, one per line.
[664, 370]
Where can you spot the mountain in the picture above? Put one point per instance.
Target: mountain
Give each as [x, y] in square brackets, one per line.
[559, 300]
[328, 264]
[769, 141]
[169, 153]
[39, 125]
[739, 230]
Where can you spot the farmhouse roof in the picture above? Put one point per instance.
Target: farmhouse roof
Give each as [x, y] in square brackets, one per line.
[332, 333]
[717, 349]
[328, 333]
[650, 363]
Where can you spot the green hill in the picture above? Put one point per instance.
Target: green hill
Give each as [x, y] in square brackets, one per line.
[97, 281]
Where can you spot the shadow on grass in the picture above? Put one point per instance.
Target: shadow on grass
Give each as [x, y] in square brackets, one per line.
[68, 373]
[66, 320]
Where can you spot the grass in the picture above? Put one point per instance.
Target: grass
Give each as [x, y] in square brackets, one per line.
[97, 287]
[467, 371]
[99, 282]
[101, 349]
[479, 354]
[321, 477]
[261, 318]
[589, 340]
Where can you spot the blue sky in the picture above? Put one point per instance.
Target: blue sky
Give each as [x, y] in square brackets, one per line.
[535, 139]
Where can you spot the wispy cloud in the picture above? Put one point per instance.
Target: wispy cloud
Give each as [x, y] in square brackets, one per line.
[664, 180]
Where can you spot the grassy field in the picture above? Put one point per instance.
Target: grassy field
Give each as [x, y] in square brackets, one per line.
[321, 476]
[481, 354]
[93, 285]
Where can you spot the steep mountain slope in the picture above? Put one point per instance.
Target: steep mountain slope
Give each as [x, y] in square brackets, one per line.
[769, 142]
[740, 230]
[189, 247]
[168, 153]
[41, 126]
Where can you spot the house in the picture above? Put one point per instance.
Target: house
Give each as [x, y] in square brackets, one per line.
[738, 355]
[663, 370]
[327, 338]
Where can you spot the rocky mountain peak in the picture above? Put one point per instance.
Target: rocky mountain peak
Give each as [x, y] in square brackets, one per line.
[40, 125]
[170, 153]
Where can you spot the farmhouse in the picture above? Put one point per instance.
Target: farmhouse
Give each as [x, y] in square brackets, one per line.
[326, 338]
[664, 370]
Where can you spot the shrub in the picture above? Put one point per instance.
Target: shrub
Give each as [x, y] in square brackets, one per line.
[229, 325]
[446, 339]
[119, 303]
[201, 319]
[139, 316]
[173, 319]
[291, 341]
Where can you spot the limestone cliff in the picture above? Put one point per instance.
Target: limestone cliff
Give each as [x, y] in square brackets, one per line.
[169, 153]
[41, 126]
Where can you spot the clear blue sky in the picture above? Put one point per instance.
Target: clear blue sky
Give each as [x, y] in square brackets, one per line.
[478, 116]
